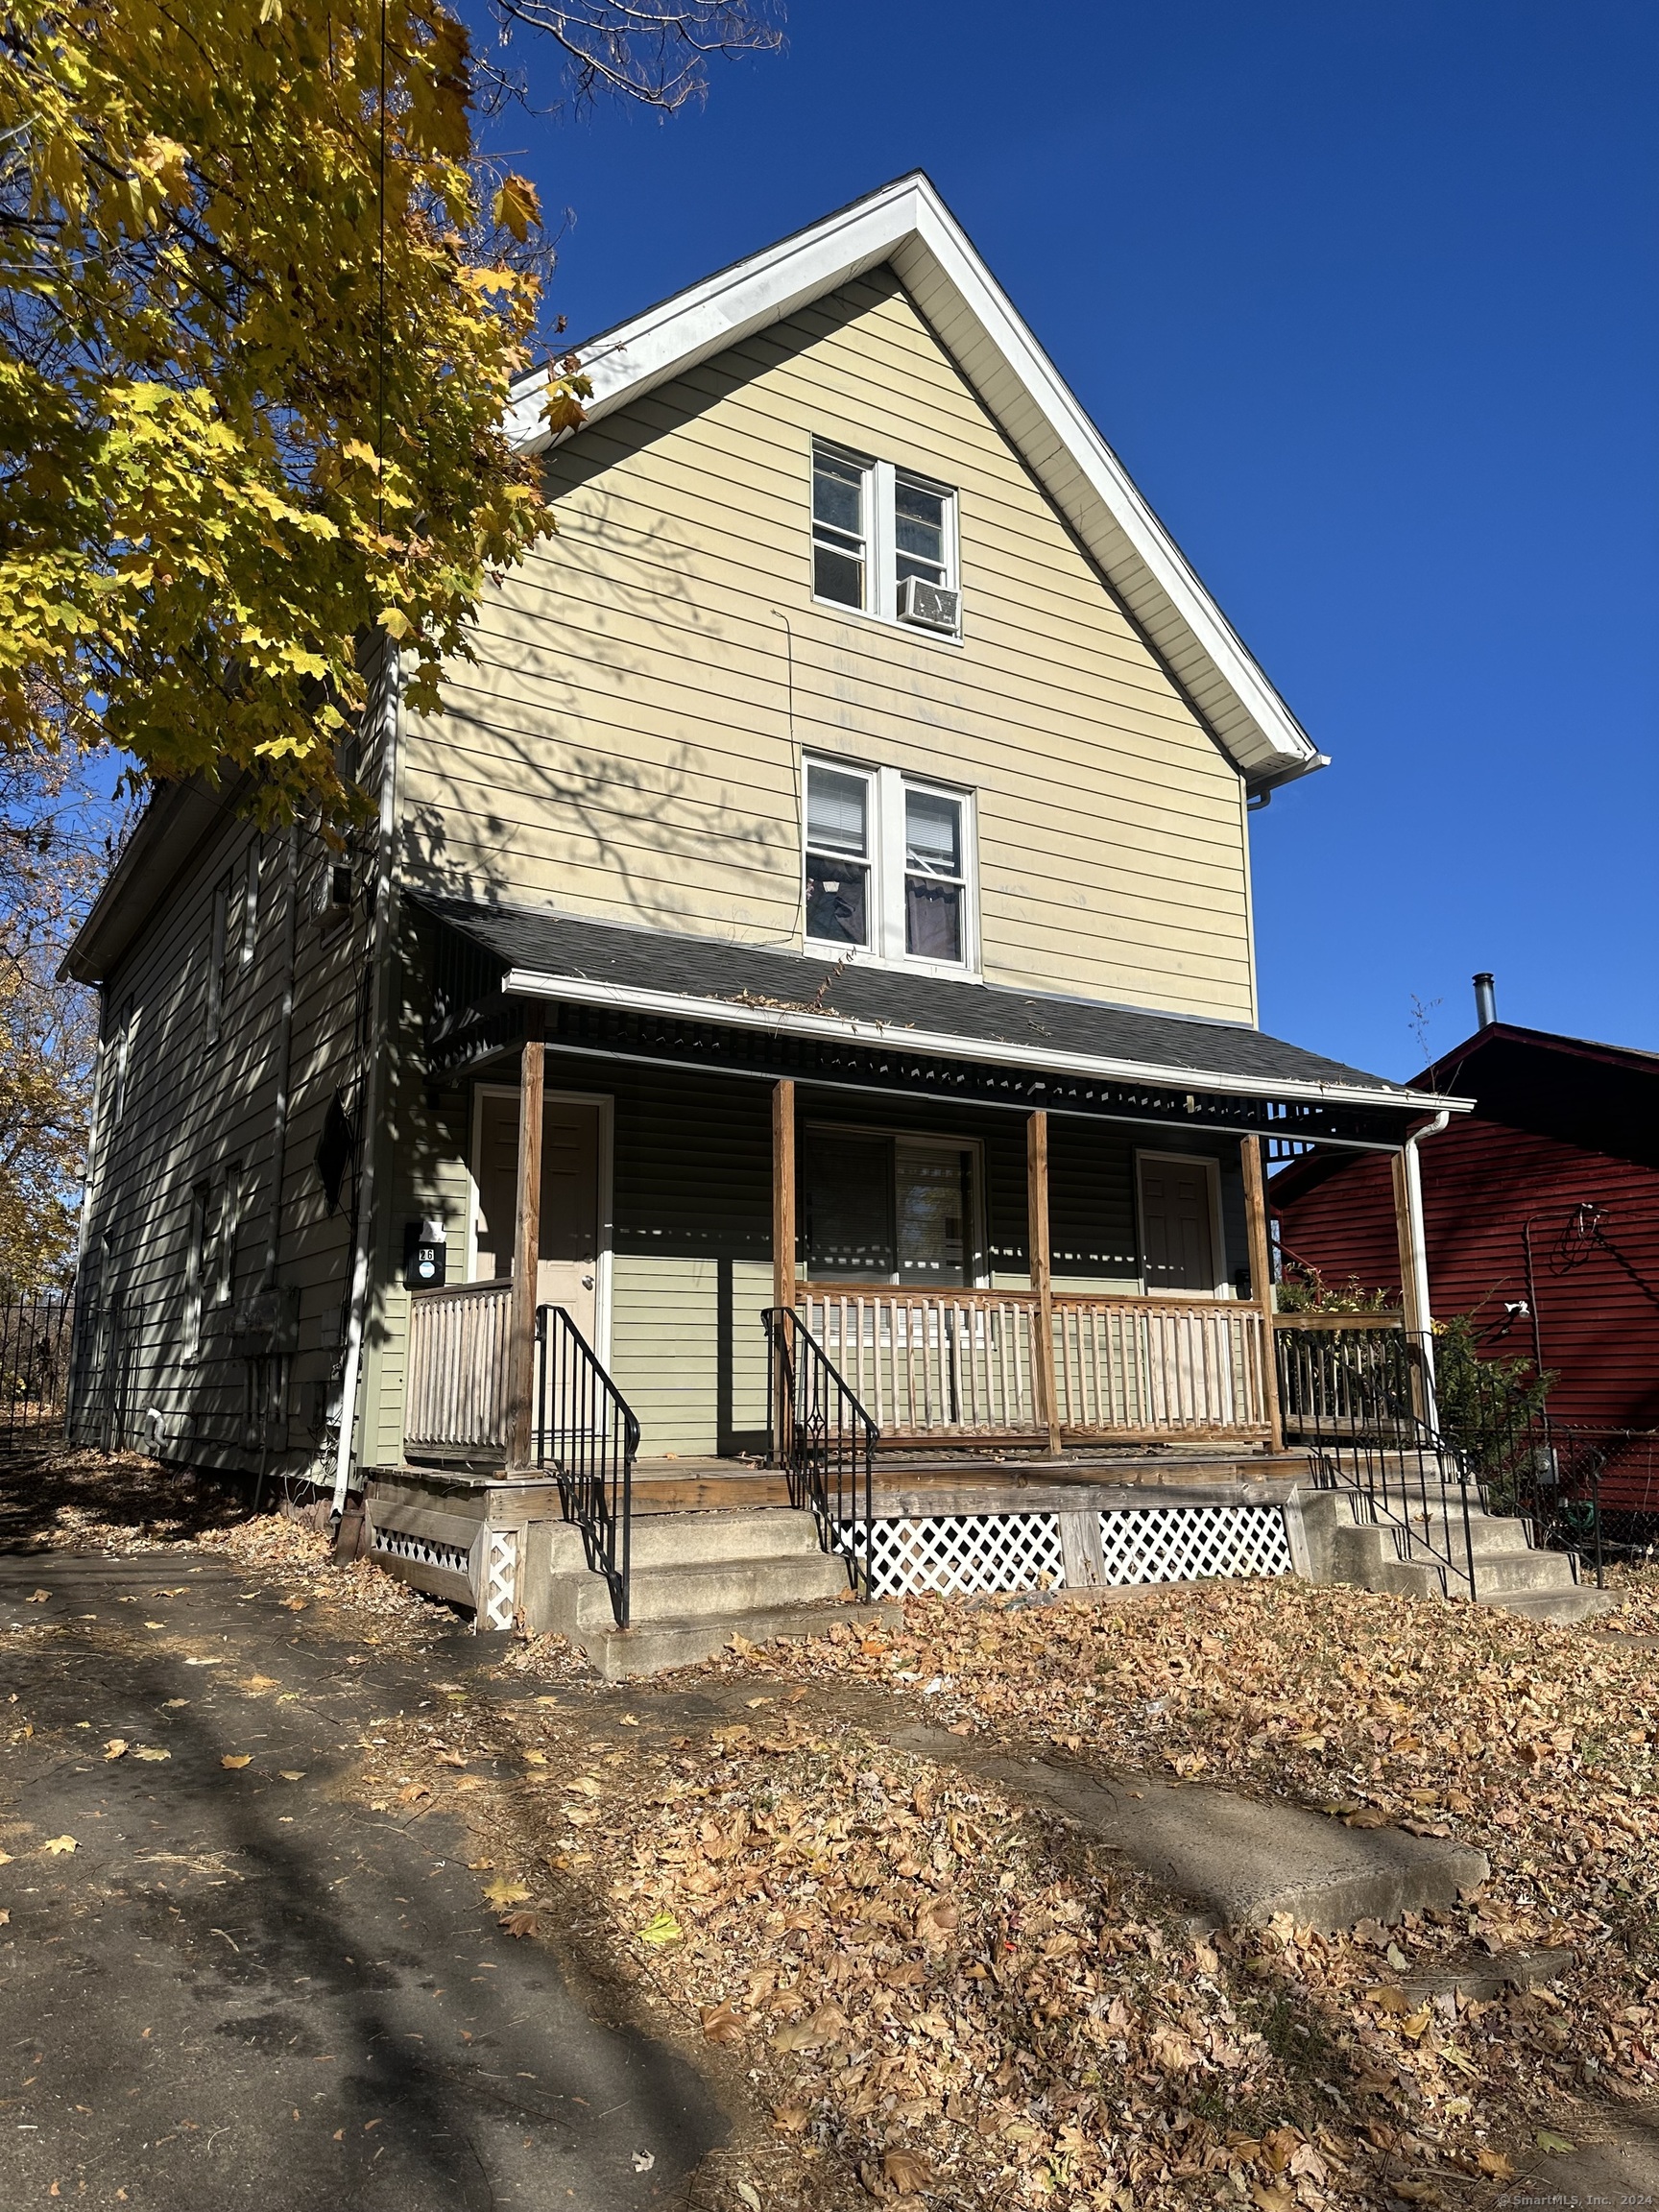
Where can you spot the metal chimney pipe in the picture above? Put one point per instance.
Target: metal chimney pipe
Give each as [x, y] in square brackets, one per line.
[1485, 1000]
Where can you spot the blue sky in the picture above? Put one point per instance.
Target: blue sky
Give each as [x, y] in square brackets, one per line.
[1365, 296]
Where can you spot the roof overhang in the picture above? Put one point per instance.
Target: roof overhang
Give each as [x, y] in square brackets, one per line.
[943, 1045]
[175, 823]
[907, 226]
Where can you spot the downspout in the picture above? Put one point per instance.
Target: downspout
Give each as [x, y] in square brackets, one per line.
[391, 692]
[279, 1134]
[1419, 1319]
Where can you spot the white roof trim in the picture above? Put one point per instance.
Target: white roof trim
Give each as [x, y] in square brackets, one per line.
[908, 224]
[781, 1022]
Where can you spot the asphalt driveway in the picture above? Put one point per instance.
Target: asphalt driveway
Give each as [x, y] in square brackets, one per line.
[224, 1982]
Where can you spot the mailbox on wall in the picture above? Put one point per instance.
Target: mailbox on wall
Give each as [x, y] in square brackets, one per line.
[424, 1255]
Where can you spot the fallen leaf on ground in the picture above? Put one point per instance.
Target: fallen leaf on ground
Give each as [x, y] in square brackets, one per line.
[293, 1773]
[907, 2171]
[151, 1753]
[37, 1597]
[1547, 2139]
[501, 1892]
[60, 1845]
[791, 2119]
[661, 1930]
[237, 1759]
[116, 1748]
[520, 1923]
[720, 2024]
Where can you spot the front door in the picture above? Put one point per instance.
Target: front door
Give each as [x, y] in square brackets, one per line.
[1177, 1225]
[568, 1273]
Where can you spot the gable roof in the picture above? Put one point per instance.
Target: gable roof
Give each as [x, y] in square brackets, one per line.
[1600, 1097]
[906, 225]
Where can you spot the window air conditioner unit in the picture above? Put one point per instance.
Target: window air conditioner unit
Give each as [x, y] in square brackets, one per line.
[929, 606]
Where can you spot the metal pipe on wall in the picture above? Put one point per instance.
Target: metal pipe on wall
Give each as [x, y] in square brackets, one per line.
[391, 692]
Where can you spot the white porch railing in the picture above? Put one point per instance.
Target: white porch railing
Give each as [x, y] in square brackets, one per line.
[931, 1364]
[455, 1390]
[1149, 1367]
[960, 1365]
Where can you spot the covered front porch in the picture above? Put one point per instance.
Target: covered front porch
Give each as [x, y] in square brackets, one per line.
[946, 1288]
[922, 1259]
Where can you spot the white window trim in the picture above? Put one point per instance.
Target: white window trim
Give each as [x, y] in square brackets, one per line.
[1223, 1286]
[881, 546]
[929, 1140]
[604, 1173]
[885, 816]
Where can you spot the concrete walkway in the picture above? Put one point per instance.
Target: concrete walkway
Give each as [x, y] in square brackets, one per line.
[241, 1989]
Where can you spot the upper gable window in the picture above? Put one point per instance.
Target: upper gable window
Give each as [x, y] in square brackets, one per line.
[840, 510]
[884, 542]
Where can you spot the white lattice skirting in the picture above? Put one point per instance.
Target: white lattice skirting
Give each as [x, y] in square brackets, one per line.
[1186, 1543]
[500, 1579]
[420, 1550]
[963, 1556]
[960, 1555]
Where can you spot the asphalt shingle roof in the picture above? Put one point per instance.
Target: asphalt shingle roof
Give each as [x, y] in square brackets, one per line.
[705, 968]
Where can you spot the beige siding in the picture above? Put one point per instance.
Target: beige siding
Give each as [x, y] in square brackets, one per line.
[628, 744]
[195, 1108]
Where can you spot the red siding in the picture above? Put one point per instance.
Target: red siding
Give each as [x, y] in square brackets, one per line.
[1598, 1318]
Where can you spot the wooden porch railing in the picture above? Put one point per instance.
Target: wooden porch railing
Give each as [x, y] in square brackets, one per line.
[960, 1365]
[1146, 1368]
[952, 1364]
[455, 1391]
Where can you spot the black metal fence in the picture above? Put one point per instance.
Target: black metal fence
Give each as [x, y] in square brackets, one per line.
[821, 1438]
[588, 1439]
[35, 1335]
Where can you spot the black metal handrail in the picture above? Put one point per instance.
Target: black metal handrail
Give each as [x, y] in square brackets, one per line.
[1362, 1400]
[822, 1439]
[1416, 1434]
[587, 1437]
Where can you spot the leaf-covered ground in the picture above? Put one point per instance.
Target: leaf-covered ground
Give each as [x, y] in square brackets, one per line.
[941, 1993]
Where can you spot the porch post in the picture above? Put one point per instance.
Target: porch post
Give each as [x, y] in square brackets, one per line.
[526, 1245]
[1261, 1280]
[784, 1194]
[1042, 1374]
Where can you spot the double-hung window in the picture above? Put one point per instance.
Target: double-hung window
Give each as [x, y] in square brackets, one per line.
[888, 866]
[839, 853]
[875, 529]
[840, 526]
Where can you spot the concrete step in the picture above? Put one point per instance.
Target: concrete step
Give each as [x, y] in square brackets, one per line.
[654, 1647]
[693, 1539]
[1582, 1602]
[696, 1539]
[715, 1588]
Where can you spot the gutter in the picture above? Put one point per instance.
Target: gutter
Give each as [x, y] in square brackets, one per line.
[784, 1022]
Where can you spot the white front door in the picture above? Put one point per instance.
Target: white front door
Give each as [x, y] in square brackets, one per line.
[568, 1273]
[1178, 1227]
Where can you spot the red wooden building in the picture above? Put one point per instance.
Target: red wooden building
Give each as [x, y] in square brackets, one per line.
[1541, 1212]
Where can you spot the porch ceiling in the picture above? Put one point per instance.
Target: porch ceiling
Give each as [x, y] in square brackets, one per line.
[634, 993]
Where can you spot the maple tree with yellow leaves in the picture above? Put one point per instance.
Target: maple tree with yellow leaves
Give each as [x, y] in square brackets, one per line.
[261, 303]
